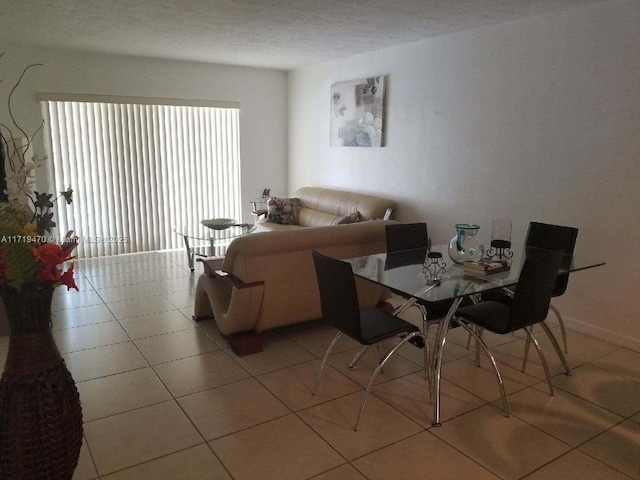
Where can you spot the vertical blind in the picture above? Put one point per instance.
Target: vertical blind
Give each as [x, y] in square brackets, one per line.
[137, 170]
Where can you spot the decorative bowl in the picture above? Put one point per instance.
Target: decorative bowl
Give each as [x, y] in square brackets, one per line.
[218, 223]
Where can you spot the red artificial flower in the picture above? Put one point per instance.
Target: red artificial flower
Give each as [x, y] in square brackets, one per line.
[51, 254]
[49, 274]
[67, 279]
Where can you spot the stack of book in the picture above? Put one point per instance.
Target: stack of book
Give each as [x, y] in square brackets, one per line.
[486, 266]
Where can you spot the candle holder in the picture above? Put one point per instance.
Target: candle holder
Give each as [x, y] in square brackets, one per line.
[433, 267]
[500, 239]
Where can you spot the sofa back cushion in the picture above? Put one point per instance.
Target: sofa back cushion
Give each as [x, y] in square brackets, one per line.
[337, 204]
[309, 217]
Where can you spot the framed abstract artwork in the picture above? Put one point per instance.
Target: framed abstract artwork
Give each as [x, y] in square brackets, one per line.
[357, 113]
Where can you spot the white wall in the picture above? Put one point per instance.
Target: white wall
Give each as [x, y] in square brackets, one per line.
[536, 119]
[262, 93]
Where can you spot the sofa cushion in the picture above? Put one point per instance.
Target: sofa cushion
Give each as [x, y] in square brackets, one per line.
[308, 217]
[283, 210]
[264, 225]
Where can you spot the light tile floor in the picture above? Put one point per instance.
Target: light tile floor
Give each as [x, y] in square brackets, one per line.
[164, 397]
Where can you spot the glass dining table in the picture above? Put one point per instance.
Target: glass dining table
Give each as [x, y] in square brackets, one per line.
[429, 276]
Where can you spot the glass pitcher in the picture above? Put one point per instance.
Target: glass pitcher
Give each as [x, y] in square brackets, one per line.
[465, 246]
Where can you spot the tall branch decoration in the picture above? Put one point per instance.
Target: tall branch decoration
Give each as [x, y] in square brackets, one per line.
[18, 182]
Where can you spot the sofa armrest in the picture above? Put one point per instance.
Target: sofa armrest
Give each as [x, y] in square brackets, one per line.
[261, 212]
[213, 269]
[235, 305]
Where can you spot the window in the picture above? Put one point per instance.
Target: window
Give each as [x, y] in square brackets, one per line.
[138, 169]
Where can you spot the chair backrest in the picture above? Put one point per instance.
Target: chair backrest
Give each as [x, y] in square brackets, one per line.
[553, 237]
[406, 236]
[338, 294]
[535, 288]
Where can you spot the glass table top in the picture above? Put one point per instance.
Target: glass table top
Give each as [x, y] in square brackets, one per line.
[200, 232]
[434, 279]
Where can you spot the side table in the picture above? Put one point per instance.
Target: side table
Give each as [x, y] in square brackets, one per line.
[208, 239]
[258, 207]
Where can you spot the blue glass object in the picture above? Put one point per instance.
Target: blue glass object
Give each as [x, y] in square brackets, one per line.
[465, 246]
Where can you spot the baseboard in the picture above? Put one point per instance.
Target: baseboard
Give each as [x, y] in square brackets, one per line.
[602, 333]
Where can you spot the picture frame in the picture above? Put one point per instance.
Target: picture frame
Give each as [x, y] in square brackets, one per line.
[357, 113]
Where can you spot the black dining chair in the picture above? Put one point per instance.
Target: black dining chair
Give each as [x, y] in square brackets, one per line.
[554, 237]
[406, 236]
[412, 236]
[529, 306]
[368, 326]
[547, 237]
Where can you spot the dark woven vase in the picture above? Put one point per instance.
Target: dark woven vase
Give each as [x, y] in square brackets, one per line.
[40, 414]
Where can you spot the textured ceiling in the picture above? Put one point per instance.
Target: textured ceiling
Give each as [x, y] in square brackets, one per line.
[282, 34]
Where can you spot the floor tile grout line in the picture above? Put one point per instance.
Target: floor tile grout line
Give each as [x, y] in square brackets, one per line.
[460, 451]
[586, 399]
[179, 405]
[153, 460]
[93, 461]
[600, 461]
[552, 435]
[575, 449]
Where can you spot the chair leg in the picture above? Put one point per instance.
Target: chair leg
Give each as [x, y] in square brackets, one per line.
[493, 363]
[562, 330]
[475, 298]
[428, 361]
[425, 332]
[554, 342]
[527, 344]
[542, 359]
[380, 353]
[428, 370]
[379, 367]
[356, 359]
[480, 331]
[324, 361]
[477, 345]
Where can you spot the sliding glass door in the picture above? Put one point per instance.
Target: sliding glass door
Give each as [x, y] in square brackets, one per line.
[139, 169]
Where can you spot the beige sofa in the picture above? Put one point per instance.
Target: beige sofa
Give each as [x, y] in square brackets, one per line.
[321, 207]
[269, 280]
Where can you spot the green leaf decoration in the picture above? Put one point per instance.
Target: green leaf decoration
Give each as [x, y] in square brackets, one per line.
[20, 264]
[11, 221]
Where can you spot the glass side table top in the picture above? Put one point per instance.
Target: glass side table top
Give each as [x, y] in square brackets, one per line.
[200, 232]
[215, 239]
